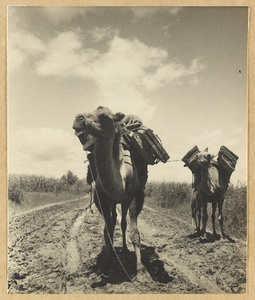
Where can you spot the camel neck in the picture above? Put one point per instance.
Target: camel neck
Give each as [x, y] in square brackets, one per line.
[210, 180]
[108, 160]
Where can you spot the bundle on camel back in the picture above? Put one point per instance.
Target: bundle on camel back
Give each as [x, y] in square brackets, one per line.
[211, 179]
[116, 175]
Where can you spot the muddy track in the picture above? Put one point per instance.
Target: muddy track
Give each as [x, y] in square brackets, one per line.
[59, 249]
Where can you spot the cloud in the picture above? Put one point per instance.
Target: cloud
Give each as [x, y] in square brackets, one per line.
[63, 14]
[99, 34]
[43, 144]
[45, 150]
[170, 72]
[21, 46]
[123, 73]
[65, 57]
[142, 12]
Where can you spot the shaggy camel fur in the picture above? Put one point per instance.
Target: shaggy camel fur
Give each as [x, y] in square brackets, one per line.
[211, 188]
[116, 181]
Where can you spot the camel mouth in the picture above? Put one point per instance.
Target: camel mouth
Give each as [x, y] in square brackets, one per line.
[100, 123]
[91, 127]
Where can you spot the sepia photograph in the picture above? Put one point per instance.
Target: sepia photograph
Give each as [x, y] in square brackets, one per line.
[127, 146]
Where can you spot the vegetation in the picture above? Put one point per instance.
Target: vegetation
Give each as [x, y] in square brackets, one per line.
[31, 191]
[175, 198]
[34, 190]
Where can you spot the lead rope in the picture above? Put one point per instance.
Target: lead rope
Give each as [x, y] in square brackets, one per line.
[108, 233]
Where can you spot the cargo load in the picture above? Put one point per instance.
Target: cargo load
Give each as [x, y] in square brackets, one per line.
[136, 137]
[227, 159]
[147, 144]
[190, 159]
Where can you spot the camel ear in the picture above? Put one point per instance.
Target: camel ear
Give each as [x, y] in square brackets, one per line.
[119, 116]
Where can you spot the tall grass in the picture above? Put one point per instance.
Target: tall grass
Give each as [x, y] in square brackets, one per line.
[174, 198]
[29, 191]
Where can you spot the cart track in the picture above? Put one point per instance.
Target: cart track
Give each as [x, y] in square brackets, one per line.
[58, 249]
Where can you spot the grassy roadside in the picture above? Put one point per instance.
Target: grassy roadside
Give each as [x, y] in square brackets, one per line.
[174, 198]
[36, 199]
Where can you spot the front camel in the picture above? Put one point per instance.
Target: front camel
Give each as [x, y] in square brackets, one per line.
[116, 181]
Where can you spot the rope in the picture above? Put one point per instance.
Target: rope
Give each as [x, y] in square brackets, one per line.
[108, 233]
[174, 160]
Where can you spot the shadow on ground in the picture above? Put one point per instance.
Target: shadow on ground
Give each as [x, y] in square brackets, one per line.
[209, 237]
[150, 260]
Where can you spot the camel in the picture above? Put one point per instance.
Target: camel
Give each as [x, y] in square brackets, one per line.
[195, 209]
[211, 186]
[116, 181]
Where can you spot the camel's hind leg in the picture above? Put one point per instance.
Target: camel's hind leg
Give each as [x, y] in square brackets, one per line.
[124, 210]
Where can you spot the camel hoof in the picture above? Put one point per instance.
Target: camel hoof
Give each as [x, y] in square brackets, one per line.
[216, 236]
[124, 250]
[108, 273]
[142, 275]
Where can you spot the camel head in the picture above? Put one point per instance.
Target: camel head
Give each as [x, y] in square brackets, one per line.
[100, 123]
[203, 159]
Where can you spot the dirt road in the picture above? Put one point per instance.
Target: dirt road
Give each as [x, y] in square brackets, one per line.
[58, 249]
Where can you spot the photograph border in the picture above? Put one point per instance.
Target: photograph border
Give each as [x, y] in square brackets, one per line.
[250, 294]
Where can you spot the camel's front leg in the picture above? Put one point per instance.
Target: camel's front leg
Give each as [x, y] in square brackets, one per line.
[204, 217]
[220, 216]
[199, 215]
[214, 206]
[110, 221]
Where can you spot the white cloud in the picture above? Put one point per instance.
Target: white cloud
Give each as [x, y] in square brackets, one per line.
[99, 34]
[21, 46]
[169, 72]
[141, 12]
[65, 56]
[123, 74]
[45, 150]
[63, 14]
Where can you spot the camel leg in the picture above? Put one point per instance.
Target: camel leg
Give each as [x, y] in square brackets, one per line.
[198, 216]
[214, 205]
[124, 210]
[194, 214]
[220, 216]
[108, 237]
[135, 238]
[114, 218]
[204, 217]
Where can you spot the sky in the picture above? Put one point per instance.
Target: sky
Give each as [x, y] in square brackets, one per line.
[182, 70]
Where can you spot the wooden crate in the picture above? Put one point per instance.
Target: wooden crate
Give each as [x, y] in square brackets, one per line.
[189, 159]
[148, 145]
[227, 159]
